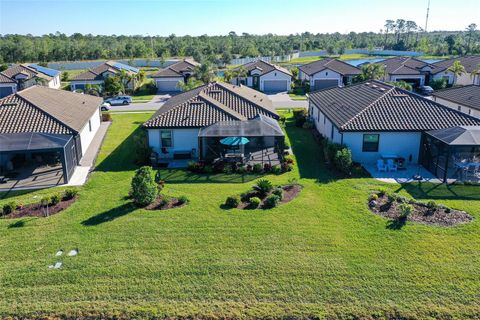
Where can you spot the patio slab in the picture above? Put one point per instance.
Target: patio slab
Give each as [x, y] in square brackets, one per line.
[403, 176]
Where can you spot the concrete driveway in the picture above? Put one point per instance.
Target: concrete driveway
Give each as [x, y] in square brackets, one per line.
[283, 100]
[155, 104]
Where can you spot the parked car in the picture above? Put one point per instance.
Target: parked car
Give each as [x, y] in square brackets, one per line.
[105, 106]
[426, 90]
[119, 100]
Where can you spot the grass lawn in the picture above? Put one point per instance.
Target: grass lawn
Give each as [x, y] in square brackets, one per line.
[322, 255]
[352, 56]
[294, 96]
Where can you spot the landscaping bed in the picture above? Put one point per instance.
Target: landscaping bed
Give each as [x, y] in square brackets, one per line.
[165, 203]
[394, 207]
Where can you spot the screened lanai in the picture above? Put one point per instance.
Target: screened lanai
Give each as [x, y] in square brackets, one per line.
[453, 153]
[263, 141]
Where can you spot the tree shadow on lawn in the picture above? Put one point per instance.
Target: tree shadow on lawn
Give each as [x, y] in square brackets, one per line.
[423, 190]
[110, 215]
[396, 224]
[184, 176]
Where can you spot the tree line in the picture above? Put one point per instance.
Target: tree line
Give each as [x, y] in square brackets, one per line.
[398, 35]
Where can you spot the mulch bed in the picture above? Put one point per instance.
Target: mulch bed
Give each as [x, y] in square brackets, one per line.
[422, 214]
[171, 204]
[37, 210]
[290, 192]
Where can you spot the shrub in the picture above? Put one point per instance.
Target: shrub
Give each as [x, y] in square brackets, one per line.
[289, 159]
[54, 200]
[257, 168]
[431, 205]
[381, 192]
[267, 167]
[276, 170]
[106, 117]
[183, 199]
[263, 187]
[227, 169]
[45, 201]
[300, 116]
[307, 125]
[218, 167]
[286, 145]
[245, 196]
[286, 167]
[272, 201]
[278, 192]
[9, 207]
[242, 170]
[438, 84]
[208, 169]
[144, 187]
[164, 202]
[405, 209]
[392, 197]
[254, 202]
[343, 160]
[69, 194]
[232, 201]
[330, 150]
[373, 197]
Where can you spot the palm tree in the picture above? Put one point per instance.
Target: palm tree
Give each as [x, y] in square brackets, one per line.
[372, 71]
[228, 75]
[457, 69]
[204, 72]
[241, 72]
[475, 73]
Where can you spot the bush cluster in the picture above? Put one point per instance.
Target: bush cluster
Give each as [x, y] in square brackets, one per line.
[232, 201]
[337, 155]
[144, 188]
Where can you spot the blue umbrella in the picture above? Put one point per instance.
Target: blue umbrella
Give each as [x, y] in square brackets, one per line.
[234, 141]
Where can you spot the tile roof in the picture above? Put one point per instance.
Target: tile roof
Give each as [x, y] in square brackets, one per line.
[46, 110]
[467, 95]
[264, 67]
[96, 73]
[469, 62]
[328, 63]
[8, 75]
[209, 104]
[404, 65]
[377, 106]
[177, 69]
[458, 136]
[6, 79]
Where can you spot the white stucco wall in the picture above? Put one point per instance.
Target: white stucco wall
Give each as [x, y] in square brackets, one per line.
[55, 82]
[182, 140]
[93, 82]
[408, 77]
[441, 75]
[275, 75]
[459, 107]
[326, 74]
[86, 135]
[324, 126]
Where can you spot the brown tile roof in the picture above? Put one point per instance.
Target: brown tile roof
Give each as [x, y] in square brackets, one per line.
[377, 106]
[264, 67]
[209, 104]
[8, 75]
[6, 79]
[46, 110]
[176, 69]
[328, 63]
[404, 66]
[468, 95]
[96, 73]
[469, 62]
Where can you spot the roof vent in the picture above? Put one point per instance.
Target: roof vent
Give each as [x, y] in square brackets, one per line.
[400, 95]
[374, 86]
[382, 89]
[9, 104]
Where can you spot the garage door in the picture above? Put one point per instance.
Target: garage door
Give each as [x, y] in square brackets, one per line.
[275, 85]
[322, 84]
[168, 86]
[5, 91]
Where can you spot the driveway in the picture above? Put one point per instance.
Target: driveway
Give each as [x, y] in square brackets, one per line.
[283, 100]
[155, 104]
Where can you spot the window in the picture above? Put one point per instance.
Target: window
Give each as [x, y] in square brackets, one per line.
[459, 108]
[370, 142]
[90, 125]
[470, 111]
[318, 115]
[166, 139]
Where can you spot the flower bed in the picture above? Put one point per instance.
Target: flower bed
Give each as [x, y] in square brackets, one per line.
[165, 203]
[398, 208]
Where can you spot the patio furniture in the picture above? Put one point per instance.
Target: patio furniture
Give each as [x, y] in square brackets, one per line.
[182, 154]
[391, 165]
[381, 165]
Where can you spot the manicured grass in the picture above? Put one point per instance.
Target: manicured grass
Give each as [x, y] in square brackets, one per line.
[352, 56]
[321, 255]
[293, 96]
[142, 98]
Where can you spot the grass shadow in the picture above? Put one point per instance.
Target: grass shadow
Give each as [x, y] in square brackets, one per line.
[425, 190]
[110, 215]
[184, 176]
[396, 224]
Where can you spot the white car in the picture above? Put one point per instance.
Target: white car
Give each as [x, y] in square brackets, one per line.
[105, 106]
[119, 100]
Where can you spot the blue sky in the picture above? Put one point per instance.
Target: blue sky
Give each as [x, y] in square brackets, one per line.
[196, 17]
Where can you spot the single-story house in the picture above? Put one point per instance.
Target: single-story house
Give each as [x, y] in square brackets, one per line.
[191, 124]
[408, 69]
[470, 63]
[97, 75]
[465, 99]
[265, 77]
[168, 78]
[22, 76]
[376, 120]
[46, 129]
[328, 73]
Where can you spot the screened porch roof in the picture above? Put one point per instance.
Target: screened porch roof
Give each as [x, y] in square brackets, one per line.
[458, 136]
[260, 126]
[11, 142]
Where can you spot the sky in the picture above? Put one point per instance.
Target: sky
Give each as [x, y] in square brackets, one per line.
[219, 17]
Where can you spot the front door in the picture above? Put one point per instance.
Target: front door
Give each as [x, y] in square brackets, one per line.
[256, 82]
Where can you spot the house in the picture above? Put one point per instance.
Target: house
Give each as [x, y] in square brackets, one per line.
[46, 131]
[465, 99]
[470, 63]
[328, 73]
[376, 120]
[168, 78]
[265, 77]
[22, 76]
[97, 75]
[190, 125]
[408, 69]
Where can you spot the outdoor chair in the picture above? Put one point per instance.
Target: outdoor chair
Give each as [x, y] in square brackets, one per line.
[381, 165]
[391, 165]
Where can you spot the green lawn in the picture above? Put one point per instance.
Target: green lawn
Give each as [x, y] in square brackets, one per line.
[323, 255]
[294, 96]
[352, 56]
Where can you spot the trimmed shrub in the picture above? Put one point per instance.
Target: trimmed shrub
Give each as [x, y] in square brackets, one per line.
[431, 205]
[257, 168]
[144, 187]
[183, 199]
[164, 202]
[263, 187]
[106, 117]
[242, 170]
[267, 167]
[276, 170]
[343, 160]
[405, 209]
[289, 159]
[232, 201]
[254, 202]
[45, 201]
[278, 192]
[373, 197]
[286, 167]
[9, 207]
[54, 200]
[381, 192]
[272, 201]
[286, 145]
[69, 194]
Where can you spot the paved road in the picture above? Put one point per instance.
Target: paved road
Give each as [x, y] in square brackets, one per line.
[283, 100]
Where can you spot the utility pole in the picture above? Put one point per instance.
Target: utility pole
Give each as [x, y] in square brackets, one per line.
[426, 20]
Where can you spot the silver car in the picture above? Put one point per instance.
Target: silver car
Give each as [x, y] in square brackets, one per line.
[119, 100]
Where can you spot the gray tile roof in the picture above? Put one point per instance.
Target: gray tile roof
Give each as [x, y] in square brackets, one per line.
[46, 110]
[469, 62]
[377, 106]
[177, 69]
[468, 95]
[6, 79]
[264, 67]
[404, 66]
[8, 75]
[96, 73]
[209, 104]
[339, 66]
